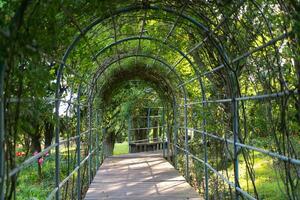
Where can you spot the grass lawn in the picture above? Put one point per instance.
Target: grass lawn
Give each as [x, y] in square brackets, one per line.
[267, 180]
[121, 148]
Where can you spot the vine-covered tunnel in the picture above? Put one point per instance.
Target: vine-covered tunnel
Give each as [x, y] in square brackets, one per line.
[215, 82]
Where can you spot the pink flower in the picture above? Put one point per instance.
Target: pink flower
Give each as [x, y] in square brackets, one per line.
[35, 153]
[41, 160]
[46, 154]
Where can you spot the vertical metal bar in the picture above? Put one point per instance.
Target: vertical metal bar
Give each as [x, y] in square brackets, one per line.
[175, 134]
[101, 136]
[168, 142]
[205, 156]
[186, 140]
[97, 141]
[78, 146]
[235, 135]
[129, 133]
[204, 138]
[57, 158]
[2, 132]
[90, 144]
[163, 131]
[148, 123]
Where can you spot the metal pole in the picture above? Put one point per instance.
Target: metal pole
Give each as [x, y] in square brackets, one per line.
[204, 138]
[78, 146]
[175, 134]
[90, 144]
[186, 145]
[168, 142]
[57, 159]
[129, 133]
[235, 135]
[205, 156]
[2, 132]
[97, 140]
[163, 130]
[148, 123]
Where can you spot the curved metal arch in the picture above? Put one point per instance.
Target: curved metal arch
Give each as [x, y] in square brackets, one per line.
[102, 69]
[169, 46]
[100, 20]
[137, 8]
[175, 109]
[202, 89]
[174, 103]
[100, 72]
[128, 10]
[157, 84]
[82, 34]
[156, 40]
[95, 79]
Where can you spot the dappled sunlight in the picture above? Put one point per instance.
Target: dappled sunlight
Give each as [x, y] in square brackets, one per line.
[139, 177]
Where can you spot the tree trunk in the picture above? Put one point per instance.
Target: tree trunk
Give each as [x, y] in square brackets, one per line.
[35, 143]
[36, 147]
[109, 144]
[49, 128]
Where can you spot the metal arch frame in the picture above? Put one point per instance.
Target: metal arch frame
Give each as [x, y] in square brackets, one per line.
[98, 74]
[72, 46]
[128, 10]
[160, 61]
[203, 98]
[57, 142]
[176, 128]
[235, 109]
[182, 85]
[58, 103]
[97, 21]
[102, 69]
[153, 58]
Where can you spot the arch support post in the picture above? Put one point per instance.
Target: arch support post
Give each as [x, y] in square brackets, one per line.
[90, 143]
[175, 129]
[163, 132]
[235, 130]
[205, 166]
[129, 133]
[78, 146]
[204, 138]
[57, 156]
[2, 132]
[148, 123]
[235, 107]
[186, 143]
[168, 142]
[97, 140]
